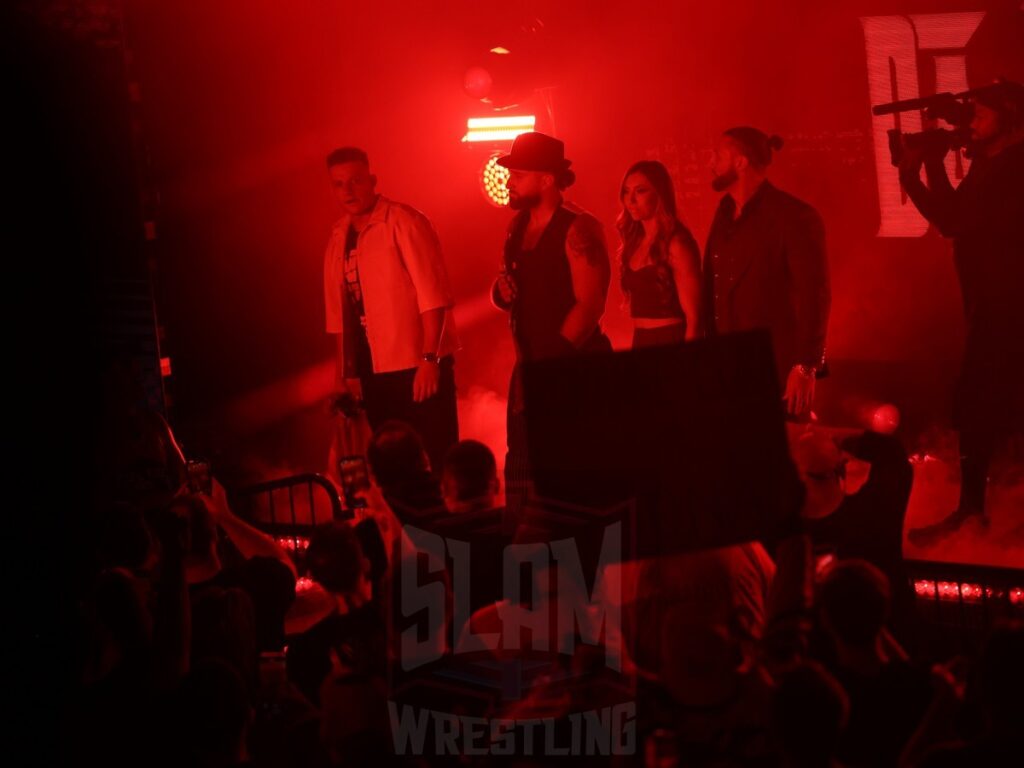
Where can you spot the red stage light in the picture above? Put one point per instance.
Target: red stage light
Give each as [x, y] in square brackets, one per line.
[970, 592]
[293, 543]
[477, 82]
[949, 590]
[924, 588]
[823, 563]
[885, 419]
[498, 129]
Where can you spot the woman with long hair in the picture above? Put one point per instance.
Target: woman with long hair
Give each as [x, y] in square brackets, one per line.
[660, 260]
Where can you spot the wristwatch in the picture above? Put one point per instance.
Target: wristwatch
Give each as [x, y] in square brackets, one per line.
[430, 357]
[806, 370]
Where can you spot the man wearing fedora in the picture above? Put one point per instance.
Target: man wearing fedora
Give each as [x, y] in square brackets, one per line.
[554, 276]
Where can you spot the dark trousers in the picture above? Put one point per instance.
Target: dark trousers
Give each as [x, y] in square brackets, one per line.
[977, 447]
[518, 478]
[989, 401]
[436, 420]
[656, 337]
[517, 465]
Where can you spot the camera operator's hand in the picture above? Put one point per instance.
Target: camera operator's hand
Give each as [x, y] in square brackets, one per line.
[911, 160]
[351, 386]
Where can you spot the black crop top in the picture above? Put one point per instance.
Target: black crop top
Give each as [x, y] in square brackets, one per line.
[652, 292]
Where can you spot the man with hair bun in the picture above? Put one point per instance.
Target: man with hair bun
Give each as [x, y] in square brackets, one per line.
[765, 264]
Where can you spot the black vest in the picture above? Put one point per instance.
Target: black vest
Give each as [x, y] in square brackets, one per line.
[544, 293]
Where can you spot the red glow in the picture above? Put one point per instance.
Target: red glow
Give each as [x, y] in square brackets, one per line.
[477, 82]
[924, 588]
[970, 592]
[293, 543]
[885, 419]
[823, 563]
[967, 592]
[949, 590]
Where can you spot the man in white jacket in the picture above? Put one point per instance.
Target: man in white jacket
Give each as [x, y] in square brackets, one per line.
[389, 305]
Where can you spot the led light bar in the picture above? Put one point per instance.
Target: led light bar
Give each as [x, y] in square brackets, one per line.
[498, 128]
[955, 591]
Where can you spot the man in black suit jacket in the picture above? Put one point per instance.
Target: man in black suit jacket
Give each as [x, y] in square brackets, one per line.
[765, 264]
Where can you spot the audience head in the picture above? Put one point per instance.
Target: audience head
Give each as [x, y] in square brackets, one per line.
[224, 628]
[216, 713]
[470, 476]
[853, 602]
[336, 561]
[125, 539]
[354, 725]
[1000, 679]
[809, 713]
[202, 560]
[701, 663]
[121, 622]
[396, 454]
[822, 469]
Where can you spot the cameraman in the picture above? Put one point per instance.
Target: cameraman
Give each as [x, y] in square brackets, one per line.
[984, 216]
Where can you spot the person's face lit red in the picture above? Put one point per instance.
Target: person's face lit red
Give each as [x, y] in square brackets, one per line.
[984, 124]
[639, 197]
[354, 186]
[724, 164]
[524, 188]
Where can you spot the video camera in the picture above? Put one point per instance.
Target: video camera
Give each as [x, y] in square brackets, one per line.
[956, 109]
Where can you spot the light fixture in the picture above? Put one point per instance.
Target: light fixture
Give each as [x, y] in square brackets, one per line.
[505, 128]
[493, 178]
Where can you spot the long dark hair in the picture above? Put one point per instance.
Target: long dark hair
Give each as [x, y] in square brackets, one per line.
[631, 231]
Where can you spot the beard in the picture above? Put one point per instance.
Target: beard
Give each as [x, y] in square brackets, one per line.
[523, 202]
[724, 181]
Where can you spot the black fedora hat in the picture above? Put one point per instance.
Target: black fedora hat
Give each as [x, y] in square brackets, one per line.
[536, 152]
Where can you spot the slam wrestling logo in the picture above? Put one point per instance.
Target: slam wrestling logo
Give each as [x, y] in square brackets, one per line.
[898, 49]
[508, 636]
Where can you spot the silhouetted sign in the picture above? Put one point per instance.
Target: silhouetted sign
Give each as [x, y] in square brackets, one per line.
[694, 435]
